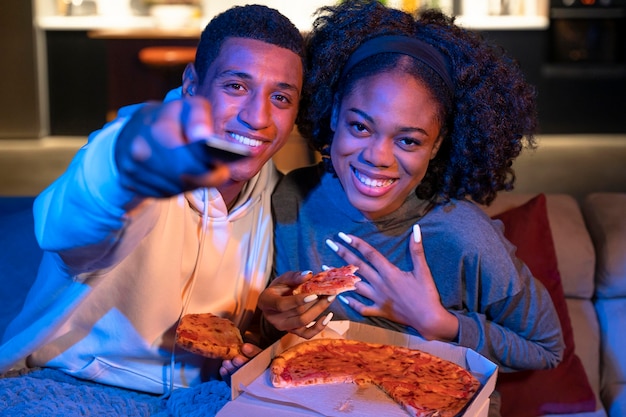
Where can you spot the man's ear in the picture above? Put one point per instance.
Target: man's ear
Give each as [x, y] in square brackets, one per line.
[190, 80]
[334, 115]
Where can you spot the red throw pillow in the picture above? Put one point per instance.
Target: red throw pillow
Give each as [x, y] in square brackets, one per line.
[564, 389]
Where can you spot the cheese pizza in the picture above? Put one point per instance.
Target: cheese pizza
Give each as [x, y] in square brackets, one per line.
[423, 384]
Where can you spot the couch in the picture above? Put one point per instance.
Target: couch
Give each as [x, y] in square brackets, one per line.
[587, 239]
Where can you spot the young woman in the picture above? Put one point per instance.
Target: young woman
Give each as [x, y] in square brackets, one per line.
[417, 119]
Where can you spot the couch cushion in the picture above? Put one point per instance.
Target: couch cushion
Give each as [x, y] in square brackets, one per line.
[19, 257]
[564, 389]
[574, 250]
[13, 204]
[611, 315]
[605, 215]
[575, 253]
[586, 339]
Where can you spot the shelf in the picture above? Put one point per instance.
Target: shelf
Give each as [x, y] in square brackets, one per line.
[584, 71]
[587, 13]
[503, 22]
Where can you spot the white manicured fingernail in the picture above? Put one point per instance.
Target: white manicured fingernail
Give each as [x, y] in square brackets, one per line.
[303, 273]
[343, 299]
[417, 233]
[332, 245]
[344, 237]
[331, 298]
[328, 318]
[310, 297]
[311, 324]
[325, 267]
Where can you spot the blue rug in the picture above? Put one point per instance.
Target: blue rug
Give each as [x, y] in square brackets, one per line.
[48, 392]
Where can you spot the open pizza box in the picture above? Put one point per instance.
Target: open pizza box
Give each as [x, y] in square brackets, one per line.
[253, 394]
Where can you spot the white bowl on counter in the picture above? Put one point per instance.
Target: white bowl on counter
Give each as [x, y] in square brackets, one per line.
[173, 15]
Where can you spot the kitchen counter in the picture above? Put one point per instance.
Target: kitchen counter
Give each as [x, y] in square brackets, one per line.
[127, 23]
[503, 22]
[145, 33]
[94, 22]
[112, 23]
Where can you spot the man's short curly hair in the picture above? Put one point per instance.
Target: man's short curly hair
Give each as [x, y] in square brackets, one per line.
[485, 122]
[251, 21]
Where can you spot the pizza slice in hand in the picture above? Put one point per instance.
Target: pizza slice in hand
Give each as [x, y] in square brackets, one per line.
[209, 335]
[330, 282]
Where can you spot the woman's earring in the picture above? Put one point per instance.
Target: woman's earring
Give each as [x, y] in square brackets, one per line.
[325, 152]
[191, 90]
[328, 164]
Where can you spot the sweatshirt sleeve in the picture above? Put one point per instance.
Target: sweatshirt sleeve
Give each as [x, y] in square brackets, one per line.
[81, 215]
[522, 331]
[504, 313]
[508, 315]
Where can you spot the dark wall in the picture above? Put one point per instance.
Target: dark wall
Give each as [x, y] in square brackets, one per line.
[19, 111]
[572, 98]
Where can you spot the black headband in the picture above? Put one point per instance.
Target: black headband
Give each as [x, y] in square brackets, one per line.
[402, 45]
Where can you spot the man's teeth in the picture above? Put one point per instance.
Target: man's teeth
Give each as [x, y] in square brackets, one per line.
[246, 141]
[370, 182]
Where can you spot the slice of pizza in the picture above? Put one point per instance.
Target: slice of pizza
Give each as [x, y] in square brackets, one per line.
[209, 335]
[433, 387]
[330, 282]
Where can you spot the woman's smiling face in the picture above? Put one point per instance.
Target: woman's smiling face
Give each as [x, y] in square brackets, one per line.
[386, 133]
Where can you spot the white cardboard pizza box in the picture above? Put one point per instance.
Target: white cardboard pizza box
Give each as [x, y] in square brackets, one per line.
[253, 395]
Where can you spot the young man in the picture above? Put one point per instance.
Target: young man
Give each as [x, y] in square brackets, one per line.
[142, 228]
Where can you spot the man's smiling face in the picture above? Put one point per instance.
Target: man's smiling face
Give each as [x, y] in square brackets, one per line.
[254, 90]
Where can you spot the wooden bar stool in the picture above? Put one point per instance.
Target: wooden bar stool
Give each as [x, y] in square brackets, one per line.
[167, 56]
[169, 61]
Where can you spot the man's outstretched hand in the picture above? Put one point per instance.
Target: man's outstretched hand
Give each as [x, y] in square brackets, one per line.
[152, 152]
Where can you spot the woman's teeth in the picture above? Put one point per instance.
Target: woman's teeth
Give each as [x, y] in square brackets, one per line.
[246, 141]
[370, 182]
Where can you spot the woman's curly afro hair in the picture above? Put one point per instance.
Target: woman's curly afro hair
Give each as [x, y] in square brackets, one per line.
[486, 121]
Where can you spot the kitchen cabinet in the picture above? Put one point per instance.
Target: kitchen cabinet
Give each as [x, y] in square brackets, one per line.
[93, 73]
[129, 80]
[77, 82]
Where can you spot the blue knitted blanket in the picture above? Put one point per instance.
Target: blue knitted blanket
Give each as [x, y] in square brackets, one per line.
[48, 392]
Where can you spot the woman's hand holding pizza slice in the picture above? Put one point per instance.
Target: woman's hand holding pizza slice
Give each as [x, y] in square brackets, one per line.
[295, 313]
